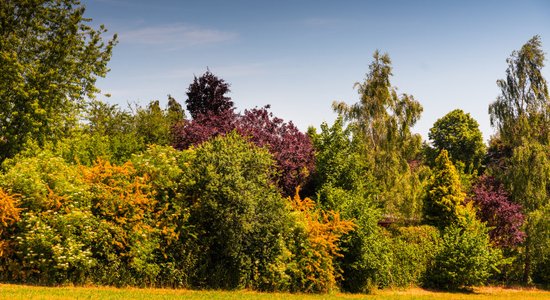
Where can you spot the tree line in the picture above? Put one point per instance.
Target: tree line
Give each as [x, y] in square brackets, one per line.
[209, 197]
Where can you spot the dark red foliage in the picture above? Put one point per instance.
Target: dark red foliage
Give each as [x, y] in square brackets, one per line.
[495, 208]
[206, 96]
[213, 115]
[204, 127]
[291, 148]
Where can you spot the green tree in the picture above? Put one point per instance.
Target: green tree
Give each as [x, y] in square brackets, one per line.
[345, 182]
[236, 212]
[459, 134]
[527, 179]
[382, 116]
[382, 120]
[115, 134]
[175, 111]
[49, 60]
[521, 113]
[465, 258]
[154, 124]
[445, 195]
[113, 130]
[338, 161]
[528, 183]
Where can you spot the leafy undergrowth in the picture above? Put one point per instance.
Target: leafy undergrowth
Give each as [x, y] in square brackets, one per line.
[9, 291]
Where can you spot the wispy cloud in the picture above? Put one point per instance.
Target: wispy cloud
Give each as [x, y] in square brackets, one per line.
[176, 36]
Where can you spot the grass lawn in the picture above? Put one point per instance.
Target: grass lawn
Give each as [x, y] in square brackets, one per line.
[9, 291]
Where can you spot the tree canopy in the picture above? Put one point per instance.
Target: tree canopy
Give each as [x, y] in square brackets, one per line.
[521, 111]
[207, 96]
[459, 134]
[50, 58]
[291, 148]
[521, 114]
[382, 121]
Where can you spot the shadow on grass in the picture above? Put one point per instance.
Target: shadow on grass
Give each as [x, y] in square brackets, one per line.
[463, 290]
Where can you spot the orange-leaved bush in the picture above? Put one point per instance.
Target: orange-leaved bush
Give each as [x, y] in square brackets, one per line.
[119, 194]
[123, 202]
[9, 215]
[313, 268]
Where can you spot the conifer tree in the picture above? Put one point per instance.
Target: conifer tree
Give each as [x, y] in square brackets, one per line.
[445, 195]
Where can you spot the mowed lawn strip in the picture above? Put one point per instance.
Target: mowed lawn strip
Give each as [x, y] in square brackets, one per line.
[9, 291]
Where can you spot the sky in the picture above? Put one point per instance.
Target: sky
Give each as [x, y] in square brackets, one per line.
[300, 56]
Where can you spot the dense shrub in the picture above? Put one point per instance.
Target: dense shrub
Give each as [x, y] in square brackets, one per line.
[56, 247]
[165, 168]
[364, 249]
[123, 202]
[465, 258]
[399, 257]
[412, 252]
[52, 241]
[81, 223]
[538, 225]
[235, 211]
[315, 247]
[9, 212]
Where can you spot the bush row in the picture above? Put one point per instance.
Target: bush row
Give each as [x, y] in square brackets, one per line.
[207, 217]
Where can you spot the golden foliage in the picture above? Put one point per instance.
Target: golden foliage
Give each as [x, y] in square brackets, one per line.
[9, 215]
[323, 230]
[122, 199]
[119, 194]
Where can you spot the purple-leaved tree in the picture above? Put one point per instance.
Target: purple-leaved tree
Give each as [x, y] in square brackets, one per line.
[494, 207]
[291, 148]
[206, 96]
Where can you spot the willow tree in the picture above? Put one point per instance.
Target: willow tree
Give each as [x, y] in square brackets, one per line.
[50, 58]
[522, 109]
[521, 114]
[383, 120]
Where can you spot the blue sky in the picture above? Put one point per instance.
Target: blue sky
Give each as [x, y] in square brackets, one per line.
[300, 56]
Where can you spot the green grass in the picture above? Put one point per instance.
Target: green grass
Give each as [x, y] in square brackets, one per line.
[8, 291]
